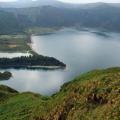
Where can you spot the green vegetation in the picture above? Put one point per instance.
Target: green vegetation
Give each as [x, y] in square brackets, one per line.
[91, 96]
[8, 23]
[21, 43]
[102, 17]
[14, 43]
[41, 30]
[5, 75]
[32, 61]
[6, 92]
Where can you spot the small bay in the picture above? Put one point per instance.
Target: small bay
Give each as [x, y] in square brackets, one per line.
[81, 51]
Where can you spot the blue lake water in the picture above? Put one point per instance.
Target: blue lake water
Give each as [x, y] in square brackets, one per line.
[81, 51]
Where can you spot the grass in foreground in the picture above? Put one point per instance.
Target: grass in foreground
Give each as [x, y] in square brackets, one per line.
[92, 96]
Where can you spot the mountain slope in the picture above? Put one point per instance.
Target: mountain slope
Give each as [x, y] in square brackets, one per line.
[94, 95]
[8, 23]
[55, 3]
[101, 16]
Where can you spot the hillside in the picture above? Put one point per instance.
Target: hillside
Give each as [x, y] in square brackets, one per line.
[98, 16]
[94, 96]
[8, 23]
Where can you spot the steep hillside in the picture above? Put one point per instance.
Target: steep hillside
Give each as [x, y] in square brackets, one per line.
[8, 23]
[94, 96]
[101, 16]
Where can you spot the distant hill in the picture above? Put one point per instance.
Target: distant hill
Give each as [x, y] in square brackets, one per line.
[9, 23]
[55, 3]
[29, 3]
[94, 95]
[101, 16]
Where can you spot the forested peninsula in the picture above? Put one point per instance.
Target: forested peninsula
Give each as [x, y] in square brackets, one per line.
[32, 61]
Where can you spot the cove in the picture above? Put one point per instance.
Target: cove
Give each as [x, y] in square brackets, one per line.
[81, 51]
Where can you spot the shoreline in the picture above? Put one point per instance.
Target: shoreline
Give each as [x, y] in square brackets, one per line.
[34, 67]
[46, 67]
[33, 60]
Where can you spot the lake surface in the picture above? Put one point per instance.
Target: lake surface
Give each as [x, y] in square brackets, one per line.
[81, 51]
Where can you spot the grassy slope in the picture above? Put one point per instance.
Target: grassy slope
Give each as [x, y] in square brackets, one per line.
[92, 96]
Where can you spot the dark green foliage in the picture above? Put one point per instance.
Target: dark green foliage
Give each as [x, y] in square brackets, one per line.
[6, 92]
[5, 75]
[7, 89]
[35, 61]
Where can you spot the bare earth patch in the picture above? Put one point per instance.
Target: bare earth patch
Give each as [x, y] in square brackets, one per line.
[12, 46]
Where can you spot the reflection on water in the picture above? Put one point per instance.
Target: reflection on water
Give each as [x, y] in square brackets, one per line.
[38, 81]
[80, 50]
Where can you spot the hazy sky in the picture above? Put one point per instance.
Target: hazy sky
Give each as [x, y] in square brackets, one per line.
[81, 1]
[91, 1]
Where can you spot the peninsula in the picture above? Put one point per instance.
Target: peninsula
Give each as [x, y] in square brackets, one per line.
[30, 62]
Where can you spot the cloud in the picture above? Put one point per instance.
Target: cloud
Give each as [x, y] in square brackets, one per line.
[7, 0]
[90, 1]
[77, 1]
